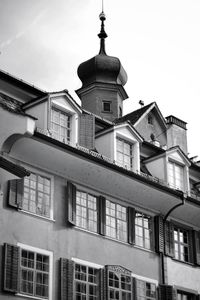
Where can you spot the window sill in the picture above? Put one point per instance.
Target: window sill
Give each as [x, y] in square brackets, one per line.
[144, 249]
[183, 262]
[31, 297]
[36, 216]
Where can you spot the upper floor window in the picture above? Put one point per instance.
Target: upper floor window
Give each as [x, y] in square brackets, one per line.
[34, 274]
[86, 211]
[61, 125]
[143, 230]
[176, 175]
[185, 296]
[150, 119]
[106, 106]
[145, 290]
[124, 154]
[37, 195]
[181, 244]
[85, 282]
[116, 221]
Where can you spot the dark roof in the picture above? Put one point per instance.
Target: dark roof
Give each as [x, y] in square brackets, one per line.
[12, 105]
[134, 116]
[21, 83]
[13, 168]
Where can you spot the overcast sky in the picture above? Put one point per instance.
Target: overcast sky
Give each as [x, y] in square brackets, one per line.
[157, 41]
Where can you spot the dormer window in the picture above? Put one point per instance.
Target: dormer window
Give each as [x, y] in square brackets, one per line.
[61, 125]
[124, 154]
[176, 175]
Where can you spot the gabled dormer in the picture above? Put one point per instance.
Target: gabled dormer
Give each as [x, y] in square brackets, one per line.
[120, 143]
[172, 167]
[150, 123]
[57, 116]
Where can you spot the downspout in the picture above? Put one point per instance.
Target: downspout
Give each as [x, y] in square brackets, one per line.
[164, 220]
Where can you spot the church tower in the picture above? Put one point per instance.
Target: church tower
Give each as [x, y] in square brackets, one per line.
[103, 78]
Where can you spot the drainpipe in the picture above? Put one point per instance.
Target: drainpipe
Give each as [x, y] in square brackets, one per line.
[164, 220]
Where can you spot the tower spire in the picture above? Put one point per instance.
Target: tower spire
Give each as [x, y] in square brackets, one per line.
[102, 35]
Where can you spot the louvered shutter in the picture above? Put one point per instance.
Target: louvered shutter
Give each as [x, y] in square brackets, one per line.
[87, 131]
[197, 297]
[71, 198]
[169, 238]
[103, 284]
[101, 215]
[15, 193]
[196, 241]
[131, 225]
[166, 292]
[159, 234]
[134, 288]
[11, 268]
[191, 246]
[67, 278]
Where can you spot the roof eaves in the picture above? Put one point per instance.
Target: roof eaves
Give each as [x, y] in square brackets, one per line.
[13, 168]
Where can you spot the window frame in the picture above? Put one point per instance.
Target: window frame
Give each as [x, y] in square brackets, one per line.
[116, 219]
[69, 129]
[130, 155]
[80, 190]
[174, 164]
[50, 280]
[106, 102]
[150, 230]
[138, 281]
[181, 244]
[51, 179]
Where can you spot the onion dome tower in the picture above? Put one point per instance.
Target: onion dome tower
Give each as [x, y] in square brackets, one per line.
[103, 78]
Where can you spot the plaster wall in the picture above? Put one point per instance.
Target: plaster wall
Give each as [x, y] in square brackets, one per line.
[105, 145]
[157, 168]
[183, 275]
[146, 129]
[69, 242]
[177, 136]
[40, 112]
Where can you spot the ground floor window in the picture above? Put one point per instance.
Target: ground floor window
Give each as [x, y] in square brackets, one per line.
[34, 273]
[85, 283]
[145, 290]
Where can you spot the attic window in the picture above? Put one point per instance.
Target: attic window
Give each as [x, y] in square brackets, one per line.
[106, 106]
[150, 119]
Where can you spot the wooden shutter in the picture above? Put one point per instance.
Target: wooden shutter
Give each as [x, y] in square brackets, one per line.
[169, 238]
[131, 225]
[166, 292]
[159, 234]
[103, 284]
[197, 297]
[71, 198]
[15, 193]
[11, 268]
[134, 288]
[87, 131]
[196, 242]
[191, 246]
[102, 215]
[67, 278]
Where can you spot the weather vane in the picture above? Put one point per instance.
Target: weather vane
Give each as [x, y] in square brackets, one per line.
[102, 6]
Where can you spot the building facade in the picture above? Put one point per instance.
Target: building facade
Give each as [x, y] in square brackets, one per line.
[95, 204]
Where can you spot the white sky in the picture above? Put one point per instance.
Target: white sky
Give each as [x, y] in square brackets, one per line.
[157, 41]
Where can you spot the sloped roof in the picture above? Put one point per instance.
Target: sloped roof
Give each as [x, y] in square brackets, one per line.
[13, 168]
[12, 105]
[134, 116]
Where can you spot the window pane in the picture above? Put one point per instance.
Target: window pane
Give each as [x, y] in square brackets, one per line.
[61, 126]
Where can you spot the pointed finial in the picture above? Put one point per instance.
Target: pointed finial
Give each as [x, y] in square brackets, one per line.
[102, 35]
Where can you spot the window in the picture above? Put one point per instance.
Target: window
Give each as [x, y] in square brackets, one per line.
[124, 154]
[119, 285]
[85, 282]
[106, 106]
[34, 274]
[61, 125]
[176, 173]
[145, 290]
[86, 211]
[116, 221]
[150, 119]
[143, 230]
[37, 195]
[184, 296]
[181, 244]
